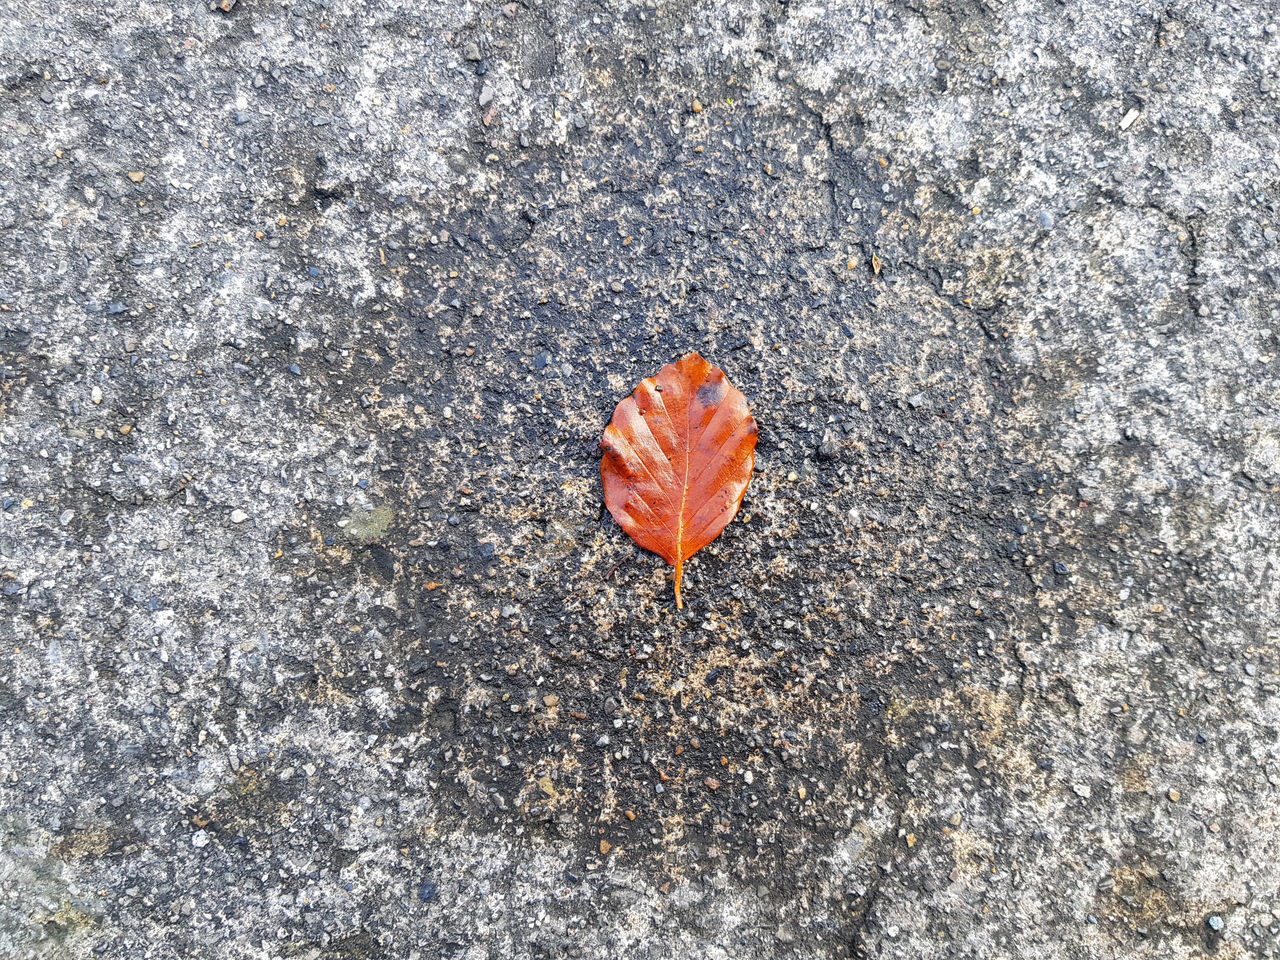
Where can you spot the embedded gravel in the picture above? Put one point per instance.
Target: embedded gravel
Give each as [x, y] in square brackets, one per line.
[317, 638]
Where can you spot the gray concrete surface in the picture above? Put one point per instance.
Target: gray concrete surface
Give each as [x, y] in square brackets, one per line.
[317, 640]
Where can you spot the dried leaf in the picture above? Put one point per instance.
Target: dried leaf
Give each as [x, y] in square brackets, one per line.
[677, 460]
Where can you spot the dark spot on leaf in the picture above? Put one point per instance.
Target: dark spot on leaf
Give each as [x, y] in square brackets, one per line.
[711, 392]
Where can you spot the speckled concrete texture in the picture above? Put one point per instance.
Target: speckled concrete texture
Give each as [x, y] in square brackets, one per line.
[318, 641]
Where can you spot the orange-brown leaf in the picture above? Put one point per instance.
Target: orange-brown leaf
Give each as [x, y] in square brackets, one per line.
[677, 460]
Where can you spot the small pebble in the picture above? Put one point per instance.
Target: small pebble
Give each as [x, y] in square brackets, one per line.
[239, 516]
[1174, 796]
[1215, 923]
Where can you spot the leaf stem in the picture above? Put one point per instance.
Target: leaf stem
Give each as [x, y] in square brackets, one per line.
[679, 571]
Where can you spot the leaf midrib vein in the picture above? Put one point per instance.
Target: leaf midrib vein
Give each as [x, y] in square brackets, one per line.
[684, 489]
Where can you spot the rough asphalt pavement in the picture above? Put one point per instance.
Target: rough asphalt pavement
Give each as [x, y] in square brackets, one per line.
[317, 639]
